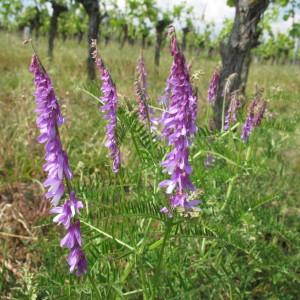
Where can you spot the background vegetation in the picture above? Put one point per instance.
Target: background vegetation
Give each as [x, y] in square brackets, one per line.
[242, 244]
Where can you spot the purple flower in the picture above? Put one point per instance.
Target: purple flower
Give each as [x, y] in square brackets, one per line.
[166, 211]
[209, 161]
[260, 113]
[146, 114]
[231, 113]
[165, 98]
[179, 200]
[110, 101]
[179, 126]
[247, 128]
[49, 118]
[213, 87]
[67, 211]
[255, 114]
[72, 238]
[77, 261]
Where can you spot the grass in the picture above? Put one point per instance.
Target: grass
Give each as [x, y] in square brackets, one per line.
[244, 244]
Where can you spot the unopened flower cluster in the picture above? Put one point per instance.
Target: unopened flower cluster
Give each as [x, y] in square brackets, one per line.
[232, 110]
[146, 114]
[255, 115]
[213, 87]
[141, 90]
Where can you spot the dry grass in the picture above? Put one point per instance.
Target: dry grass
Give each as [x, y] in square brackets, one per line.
[21, 157]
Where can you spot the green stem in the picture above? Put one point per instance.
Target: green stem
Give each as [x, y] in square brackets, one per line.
[109, 236]
[207, 114]
[68, 182]
[223, 113]
[94, 285]
[162, 250]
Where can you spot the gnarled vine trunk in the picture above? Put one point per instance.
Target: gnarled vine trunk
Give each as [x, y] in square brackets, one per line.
[160, 28]
[125, 35]
[92, 9]
[185, 32]
[57, 10]
[144, 39]
[236, 53]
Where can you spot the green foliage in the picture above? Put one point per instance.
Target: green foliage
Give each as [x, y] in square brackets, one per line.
[243, 244]
[226, 30]
[295, 30]
[290, 10]
[235, 245]
[9, 9]
[73, 21]
[231, 3]
[276, 48]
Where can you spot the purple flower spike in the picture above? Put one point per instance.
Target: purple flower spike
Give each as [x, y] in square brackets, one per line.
[248, 126]
[72, 238]
[49, 118]
[179, 126]
[110, 101]
[260, 113]
[232, 110]
[77, 261]
[255, 114]
[213, 87]
[67, 211]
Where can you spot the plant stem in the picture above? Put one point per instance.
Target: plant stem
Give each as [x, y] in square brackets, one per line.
[207, 114]
[168, 229]
[68, 182]
[223, 113]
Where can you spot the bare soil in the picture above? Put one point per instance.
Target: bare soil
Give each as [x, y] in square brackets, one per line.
[21, 207]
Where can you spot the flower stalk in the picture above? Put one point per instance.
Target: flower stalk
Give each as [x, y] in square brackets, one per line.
[179, 126]
[141, 90]
[110, 100]
[234, 105]
[59, 174]
[213, 87]
[255, 115]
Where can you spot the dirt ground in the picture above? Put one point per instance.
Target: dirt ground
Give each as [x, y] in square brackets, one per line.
[21, 207]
